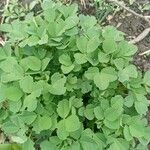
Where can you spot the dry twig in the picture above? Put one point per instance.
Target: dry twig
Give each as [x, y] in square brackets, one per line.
[141, 36]
[83, 3]
[6, 6]
[146, 18]
[144, 53]
[2, 42]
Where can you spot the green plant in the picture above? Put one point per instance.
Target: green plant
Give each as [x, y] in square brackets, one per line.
[17, 9]
[68, 84]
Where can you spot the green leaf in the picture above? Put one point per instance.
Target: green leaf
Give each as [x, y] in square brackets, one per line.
[58, 84]
[127, 133]
[13, 93]
[98, 111]
[146, 78]
[87, 45]
[42, 123]
[106, 76]
[15, 106]
[119, 144]
[67, 69]
[80, 58]
[93, 58]
[44, 38]
[8, 64]
[32, 63]
[127, 73]
[92, 44]
[63, 108]
[26, 84]
[136, 129]
[146, 6]
[29, 144]
[72, 123]
[30, 103]
[89, 112]
[45, 63]
[14, 75]
[28, 117]
[5, 147]
[113, 113]
[82, 44]
[110, 32]
[5, 51]
[141, 107]
[91, 72]
[71, 21]
[103, 58]
[33, 40]
[129, 101]
[87, 21]
[45, 145]
[9, 127]
[119, 63]
[109, 46]
[112, 124]
[65, 59]
[126, 49]
[62, 133]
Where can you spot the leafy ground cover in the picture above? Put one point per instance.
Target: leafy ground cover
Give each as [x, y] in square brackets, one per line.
[69, 84]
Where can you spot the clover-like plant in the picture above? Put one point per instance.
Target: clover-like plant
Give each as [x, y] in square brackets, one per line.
[66, 83]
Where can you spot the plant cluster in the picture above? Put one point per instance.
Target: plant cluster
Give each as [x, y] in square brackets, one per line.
[68, 84]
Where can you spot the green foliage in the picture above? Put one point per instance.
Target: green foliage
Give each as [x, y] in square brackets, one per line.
[68, 84]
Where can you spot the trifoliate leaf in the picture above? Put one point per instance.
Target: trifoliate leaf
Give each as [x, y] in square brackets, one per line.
[127, 73]
[106, 76]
